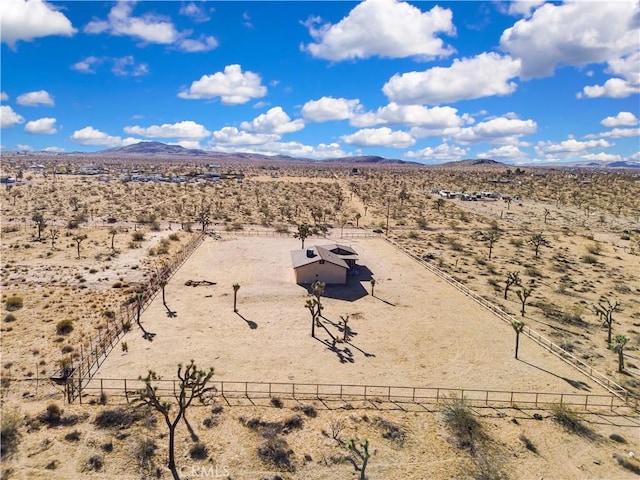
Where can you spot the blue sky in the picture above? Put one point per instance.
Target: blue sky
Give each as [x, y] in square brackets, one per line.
[518, 82]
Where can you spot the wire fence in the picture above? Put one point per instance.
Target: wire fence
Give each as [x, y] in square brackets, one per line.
[76, 374]
[127, 390]
[601, 379]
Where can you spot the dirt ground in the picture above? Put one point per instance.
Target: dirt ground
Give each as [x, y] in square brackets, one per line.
[416, 331]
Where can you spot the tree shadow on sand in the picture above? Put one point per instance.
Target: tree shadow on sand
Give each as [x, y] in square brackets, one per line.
[577, 384]
[252, 325]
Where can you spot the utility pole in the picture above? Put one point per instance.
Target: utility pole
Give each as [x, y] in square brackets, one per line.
[388, 207]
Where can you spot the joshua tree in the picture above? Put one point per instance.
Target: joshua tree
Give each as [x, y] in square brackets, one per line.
[523, 294]
[192, 385]
[304, 232]
[311, 306]
[518, 326]
[204, 215]
[538, 240]
[546, 214]
[345, 323]
[373, 286]
[236, 287]
[605, 309]
[41, 223]
[75, 203]
[618, 346]
[513, 278]
[113, 232]
[361, 451]
[439, 203]
[317, 288]
[163, 283]
[139, 299]
[491, 237]
[79, 239]
[54, 233]
[358, 217]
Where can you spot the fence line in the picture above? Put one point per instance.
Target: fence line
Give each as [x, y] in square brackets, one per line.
[77, 374]
[128, 389]
[586, 369]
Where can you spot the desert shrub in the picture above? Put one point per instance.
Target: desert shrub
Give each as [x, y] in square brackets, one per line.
[64, 327]
[52, 414]
[94, 462]
[413, 235]
[276, 402]
[72, 436]
[595, 249]
[617, 438]
[137, 236]
[293, 422]
[308, 410]
[14, 303]
[163, 247]
[10, 433]
[463, 424]
[528, 444]
[174, 237]
[10, 317]
[570, 421]
[107, 447]
[144, 452]
[199, 451]
[392, 431]
[627, 463]
[516, 242]
[589, 259]
[118, 418]
[488, 467]
[276, 451]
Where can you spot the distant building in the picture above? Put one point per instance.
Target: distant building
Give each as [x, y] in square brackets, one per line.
[328, 263]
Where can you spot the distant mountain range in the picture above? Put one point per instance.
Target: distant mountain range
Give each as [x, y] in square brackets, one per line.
[162, 149]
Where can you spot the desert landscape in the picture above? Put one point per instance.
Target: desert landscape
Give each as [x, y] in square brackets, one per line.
[84, 238]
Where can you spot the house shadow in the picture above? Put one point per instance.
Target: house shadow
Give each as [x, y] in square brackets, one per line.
[351, 291]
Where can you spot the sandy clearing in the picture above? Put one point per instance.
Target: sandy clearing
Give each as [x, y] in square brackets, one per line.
[416, 331]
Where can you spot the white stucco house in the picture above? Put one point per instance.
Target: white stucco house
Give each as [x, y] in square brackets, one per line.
[327, 263]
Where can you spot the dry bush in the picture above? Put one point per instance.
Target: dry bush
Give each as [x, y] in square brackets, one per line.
[462, 423]
[14, 303]
[10, 434]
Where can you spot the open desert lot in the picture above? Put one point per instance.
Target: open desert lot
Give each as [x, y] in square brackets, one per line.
[64, 293]
[416, 331]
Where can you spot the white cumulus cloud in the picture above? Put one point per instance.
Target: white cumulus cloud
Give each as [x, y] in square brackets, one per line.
[233, 86]
[384, 28]
[42, 126]
[436, 119]
[149, 28]
[602, 157]
[231, 136]
[195, 12]
[572, 33]
[441, 153]
[500, 130]
[8, 118]
[505, 152]
[569, 148]
[621, 133]
[485, 75]
[127, 66]
[329, 108]
[33, 99]
[379, 137]
[53, 149]
[202, 44]
[92, 136]
[622, 119]
[626, 83]
[274, 121]
[4, 97]
[523, 7]
[29, 19]
[186, 130]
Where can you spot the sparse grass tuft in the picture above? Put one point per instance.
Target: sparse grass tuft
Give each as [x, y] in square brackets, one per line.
[14, 303]
[64, 327]
[199, 451]
[462, 422]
